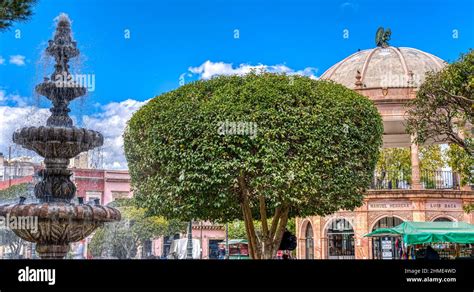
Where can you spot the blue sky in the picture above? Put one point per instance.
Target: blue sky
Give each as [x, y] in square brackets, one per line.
[169, 37]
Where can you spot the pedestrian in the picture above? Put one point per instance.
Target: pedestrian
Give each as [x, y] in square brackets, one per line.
[431, 254]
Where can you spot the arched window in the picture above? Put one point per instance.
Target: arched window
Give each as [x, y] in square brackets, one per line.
[309, 242]
[443, 219]
[340, 239]
[386, 247]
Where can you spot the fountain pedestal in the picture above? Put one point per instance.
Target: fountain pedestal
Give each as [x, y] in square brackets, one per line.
[60, 221]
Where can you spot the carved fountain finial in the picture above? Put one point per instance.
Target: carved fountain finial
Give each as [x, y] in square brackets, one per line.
[60, 221]
[61, 88]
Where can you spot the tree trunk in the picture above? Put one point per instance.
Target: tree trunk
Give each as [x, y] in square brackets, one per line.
[266, 245]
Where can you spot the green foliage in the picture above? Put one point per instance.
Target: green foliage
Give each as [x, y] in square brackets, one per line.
[444, 105]
[468, 208]
[396, 162]
[121, 239]
[237, 228]
[462, 163]
[431, 158]
[13, 242]
[315, 148]
[14, 191]
[14, 10]
[7, 236]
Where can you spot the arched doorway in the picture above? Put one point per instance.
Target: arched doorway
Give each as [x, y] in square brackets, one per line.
[340, 239]
[386, 247]
[309, 242]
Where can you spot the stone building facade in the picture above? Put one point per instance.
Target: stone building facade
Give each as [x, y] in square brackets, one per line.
[390, 77]
[381, 208]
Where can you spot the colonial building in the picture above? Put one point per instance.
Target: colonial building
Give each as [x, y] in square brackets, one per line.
[390, 77]
[208, 234]
[17, 167]
[105, 185]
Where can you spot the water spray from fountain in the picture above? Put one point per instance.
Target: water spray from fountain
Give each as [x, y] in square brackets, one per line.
[60, 221]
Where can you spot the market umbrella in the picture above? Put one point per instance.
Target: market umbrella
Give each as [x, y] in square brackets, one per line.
[428, 232]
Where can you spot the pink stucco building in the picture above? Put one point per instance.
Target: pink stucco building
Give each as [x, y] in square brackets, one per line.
[106, 185]
[207, 233]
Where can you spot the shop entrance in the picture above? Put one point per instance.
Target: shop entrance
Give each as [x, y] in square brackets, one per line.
[386, 247]
[340, 240]
[309, 242]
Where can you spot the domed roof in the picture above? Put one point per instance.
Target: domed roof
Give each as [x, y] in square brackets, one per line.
[384, 67]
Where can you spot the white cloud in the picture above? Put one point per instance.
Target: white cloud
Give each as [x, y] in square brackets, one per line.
[12, 99]
[14, 118]
[111, 123]
[349, 6]
[19, 100]
[209, 69]
[18, 60]
[2, 60]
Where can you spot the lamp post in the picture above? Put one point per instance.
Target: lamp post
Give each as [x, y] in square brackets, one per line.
[9, 166]
[189, 255]
[201, 241]
[227, 241]
[31, 191]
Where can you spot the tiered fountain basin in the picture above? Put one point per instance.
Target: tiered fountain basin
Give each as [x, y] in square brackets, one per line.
[54, 142]
[59, 224]
[69, 89]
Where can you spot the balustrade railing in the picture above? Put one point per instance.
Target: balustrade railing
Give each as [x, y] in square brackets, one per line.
[439, 180]
[386, 180]
[391, 180]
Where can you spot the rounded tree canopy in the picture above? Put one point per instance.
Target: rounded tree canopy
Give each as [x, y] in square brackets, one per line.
[310, 145]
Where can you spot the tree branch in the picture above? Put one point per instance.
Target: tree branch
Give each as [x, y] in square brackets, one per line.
[263, 217]
[458, 96]
[250, 232]
[275, 220]
[281, 226]
[247, 212]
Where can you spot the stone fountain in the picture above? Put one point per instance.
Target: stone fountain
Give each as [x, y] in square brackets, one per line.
[61, 221]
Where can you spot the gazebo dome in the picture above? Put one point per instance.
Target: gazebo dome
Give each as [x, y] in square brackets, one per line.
[384, 67]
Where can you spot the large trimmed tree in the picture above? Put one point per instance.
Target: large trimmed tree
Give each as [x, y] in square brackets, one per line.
[299, 147]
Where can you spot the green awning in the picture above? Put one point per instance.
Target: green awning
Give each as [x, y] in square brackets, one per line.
[427, 232]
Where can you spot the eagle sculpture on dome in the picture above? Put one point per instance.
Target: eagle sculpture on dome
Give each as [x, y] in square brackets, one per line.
[382, 37]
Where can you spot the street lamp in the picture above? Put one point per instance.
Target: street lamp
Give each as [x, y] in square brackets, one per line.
[189, 255]
[227, 241]
[200, 242]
